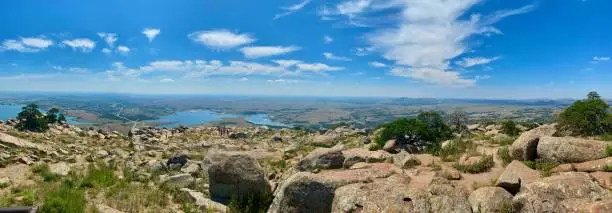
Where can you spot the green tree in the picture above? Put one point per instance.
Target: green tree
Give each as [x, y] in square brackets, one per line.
[509, 128]
[61, 118]
[52, 115]
[586, 117]
[435, 123]
[413, 134]
[32, 119]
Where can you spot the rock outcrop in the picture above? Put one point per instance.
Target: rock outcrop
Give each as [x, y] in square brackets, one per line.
[567, 192]
[570, 150]
[525, 146]
[236, 176]
[490, 200]
[323, 158]
[515, 176]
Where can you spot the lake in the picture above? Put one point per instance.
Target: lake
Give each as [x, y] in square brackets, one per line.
[199, 117]
[10, 111]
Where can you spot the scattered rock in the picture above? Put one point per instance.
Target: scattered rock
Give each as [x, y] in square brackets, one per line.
[390, 145]
[525, 146]
[61, 169]
[204, 204]
[356, 155]
[567, 192]
[515, 176]
[177, 181]
[191, 168]
[101, 154]
[490, 200]
[177, 161]
[570, 150]
[405, 160]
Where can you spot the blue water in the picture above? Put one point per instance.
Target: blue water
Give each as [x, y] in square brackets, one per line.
[191, 118]
[264, 119]
[10, 111]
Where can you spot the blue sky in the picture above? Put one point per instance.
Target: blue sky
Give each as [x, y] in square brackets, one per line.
[409, 48]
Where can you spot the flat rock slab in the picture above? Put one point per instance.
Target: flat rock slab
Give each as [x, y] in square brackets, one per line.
[570, 150]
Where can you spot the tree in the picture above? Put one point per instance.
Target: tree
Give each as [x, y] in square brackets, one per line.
[509, 128]
[52, 115]
[459, 121]
[61, 118]
[32, 119]
[587, 117]
[415, 134]
[434, 122]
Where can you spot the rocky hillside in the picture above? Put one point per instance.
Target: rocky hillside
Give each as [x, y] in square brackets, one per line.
[235, 169]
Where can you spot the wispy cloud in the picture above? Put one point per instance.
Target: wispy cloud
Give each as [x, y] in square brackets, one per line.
[328, 39]
[151, 33]
[266, 51]
[81, 44]
[282, 81]
[109, 38]
[291, 9]
[123, 50]
[166, 80]
[317, 67]
[598, 59]
[425, 35]
[26, 44]
[331, 56]
[377, 64]
[470, 62]
[221, 39]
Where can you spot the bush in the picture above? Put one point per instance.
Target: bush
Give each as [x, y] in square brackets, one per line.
[586, 117]
[455, 149]
[254, 203]
[482, 165]
[66, 199]
[99, 177]
[504, 155]
[509, 128]
[427, 130]
[609, 150]
[43, 171]
[544, 166]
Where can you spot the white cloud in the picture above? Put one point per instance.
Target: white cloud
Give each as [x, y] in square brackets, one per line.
[377, 64]
[434, 76]
[109, 38]
[78, 70]
[291, 9]
[244, 79]
[107, 51]
[599, 59]
[317, 67]
[166, 80]
[195, 68]
[265, 51]
[82, 44]
[331, 56]
[282, 81]
[427, 35]
[363, 51]
[221, 39]
[27, 44]
[470, 62]
[123, 50]
[151, 33]
[328, 39]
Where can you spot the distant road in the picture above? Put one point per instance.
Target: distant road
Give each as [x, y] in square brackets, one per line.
[124, 118]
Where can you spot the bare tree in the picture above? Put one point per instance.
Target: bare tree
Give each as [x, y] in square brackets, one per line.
[459, 121]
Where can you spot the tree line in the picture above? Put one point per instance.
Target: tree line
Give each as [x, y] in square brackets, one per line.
[31, 119]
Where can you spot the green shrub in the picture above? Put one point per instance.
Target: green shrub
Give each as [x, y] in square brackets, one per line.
[586, 117]
[482, 165]
[253, 203]
[609, 150]
[99, 177]
[427, 129]
[606, 137]
[455, 149]
[509, 128]
[66, 199]
[544, 166]
[44, 172]
[29, 197]
[504, 155]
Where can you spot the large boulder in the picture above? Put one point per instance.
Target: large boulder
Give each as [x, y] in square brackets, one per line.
[446, 197]
[490, 200]
[379, 197]
[356, 155]
[570, 150]
[236, 176]
[323, 158]
[564, 193]
[515, 176]
[177, 181]
[525, 146]
[593, 166]
[203, 203]
[309, 192]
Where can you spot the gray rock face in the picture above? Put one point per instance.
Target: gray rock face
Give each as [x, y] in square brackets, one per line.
[567, 192]
[490, 200]
[379, 197]
[570, 150]
[525, 146]
[515, 176]
[323, 158]
[236, 176]
[308, 192]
